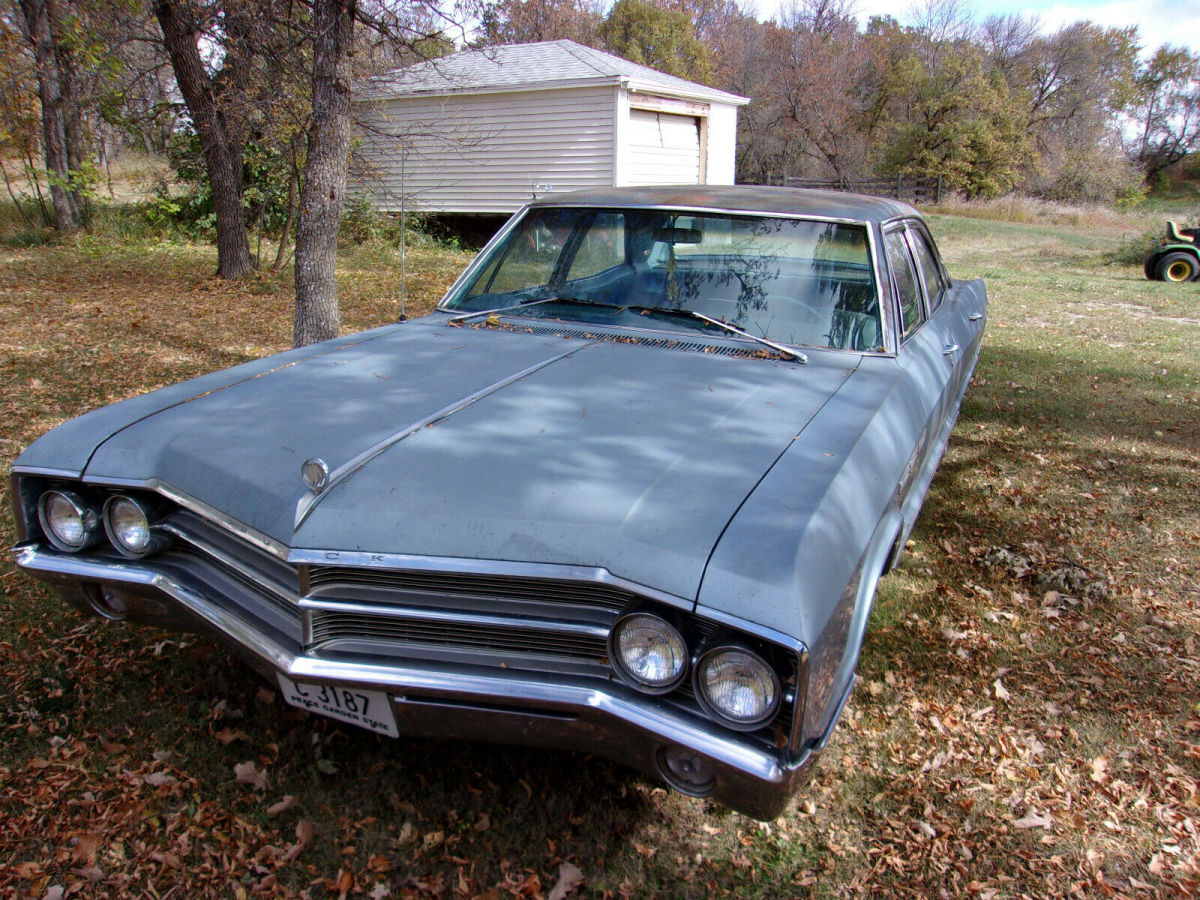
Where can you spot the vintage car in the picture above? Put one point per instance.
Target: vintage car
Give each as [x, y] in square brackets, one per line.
[1177, 257]
[628, 490]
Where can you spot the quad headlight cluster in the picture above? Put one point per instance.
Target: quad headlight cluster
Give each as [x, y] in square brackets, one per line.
[72, 523]
[732, 683]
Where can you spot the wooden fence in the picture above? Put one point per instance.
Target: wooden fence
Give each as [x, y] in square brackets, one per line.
[903, 187]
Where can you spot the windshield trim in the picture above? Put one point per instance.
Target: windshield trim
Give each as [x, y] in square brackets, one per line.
[879, 272]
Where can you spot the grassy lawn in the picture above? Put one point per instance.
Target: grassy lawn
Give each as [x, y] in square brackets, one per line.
[1027, 723]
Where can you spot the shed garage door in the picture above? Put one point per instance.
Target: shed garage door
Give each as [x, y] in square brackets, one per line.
[663, 148]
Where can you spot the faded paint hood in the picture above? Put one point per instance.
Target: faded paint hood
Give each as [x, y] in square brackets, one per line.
[530, 448]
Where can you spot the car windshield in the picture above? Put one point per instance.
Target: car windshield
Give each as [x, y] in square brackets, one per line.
[794, 281]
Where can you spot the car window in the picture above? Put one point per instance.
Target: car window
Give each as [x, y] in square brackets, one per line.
[802, 282]
[931, 273]
[601, 248]
[912, 313]
[530, 255]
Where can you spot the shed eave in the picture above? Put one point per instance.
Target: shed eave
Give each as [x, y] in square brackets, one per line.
[370, 96]
[707, 96]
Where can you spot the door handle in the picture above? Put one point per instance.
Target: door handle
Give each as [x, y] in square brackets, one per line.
[950, 349]
[974, 317]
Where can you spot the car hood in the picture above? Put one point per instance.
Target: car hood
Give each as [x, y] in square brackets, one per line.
[489, 444]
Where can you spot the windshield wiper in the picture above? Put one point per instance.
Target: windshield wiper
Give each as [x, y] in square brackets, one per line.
[524, 303]
[455, 320]
[785, 352]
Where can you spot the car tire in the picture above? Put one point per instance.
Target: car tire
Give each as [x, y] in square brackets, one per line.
[1177, 267]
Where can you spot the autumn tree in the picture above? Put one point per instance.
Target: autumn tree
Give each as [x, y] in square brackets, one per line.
[527, 21]
[657, 36]
[815, 88]
[1166, 110]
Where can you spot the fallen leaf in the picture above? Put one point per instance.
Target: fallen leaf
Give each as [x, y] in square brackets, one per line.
[1033, 819]
[281, 806]
[249, 773]
[89, 873]
[1001, 692]
[27, 870]
[158, 779]
[569, 878]
[227, 736]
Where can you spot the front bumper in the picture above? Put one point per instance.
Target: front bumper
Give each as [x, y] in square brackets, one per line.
[438, 699]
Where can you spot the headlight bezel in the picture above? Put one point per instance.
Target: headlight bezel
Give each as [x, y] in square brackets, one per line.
[89, 520]
[622, 666]
[700, 687]
[154, 539]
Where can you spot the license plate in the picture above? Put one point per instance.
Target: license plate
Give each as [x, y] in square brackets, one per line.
[366, 709]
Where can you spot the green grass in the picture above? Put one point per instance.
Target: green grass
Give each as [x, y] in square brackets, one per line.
[984, 699]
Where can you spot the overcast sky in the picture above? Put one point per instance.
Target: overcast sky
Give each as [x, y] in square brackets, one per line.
[1159, 21]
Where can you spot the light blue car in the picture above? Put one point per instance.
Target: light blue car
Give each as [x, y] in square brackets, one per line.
[628, 490]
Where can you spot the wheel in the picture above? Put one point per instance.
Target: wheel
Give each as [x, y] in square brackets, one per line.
[1176, 267]
[1150, 265]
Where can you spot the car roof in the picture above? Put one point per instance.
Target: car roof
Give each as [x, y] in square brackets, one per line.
[740, 198]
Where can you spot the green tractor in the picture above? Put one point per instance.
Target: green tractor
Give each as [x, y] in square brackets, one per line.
[1177, 257]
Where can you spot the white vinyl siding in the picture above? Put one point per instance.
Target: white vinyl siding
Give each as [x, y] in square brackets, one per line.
[484, 153]
[664, 148]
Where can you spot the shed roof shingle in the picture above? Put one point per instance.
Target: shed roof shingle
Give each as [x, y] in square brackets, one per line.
[541, 65]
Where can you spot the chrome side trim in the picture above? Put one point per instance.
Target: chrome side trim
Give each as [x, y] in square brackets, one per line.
[837, 714]
[348, 469]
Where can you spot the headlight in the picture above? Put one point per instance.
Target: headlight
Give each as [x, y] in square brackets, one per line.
[68, 523]
[128, 525]
[737, 686]
[648, 652]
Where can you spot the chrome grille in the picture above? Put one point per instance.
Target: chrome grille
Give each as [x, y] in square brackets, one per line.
[329, 626]
[256, 571]
[339, 581]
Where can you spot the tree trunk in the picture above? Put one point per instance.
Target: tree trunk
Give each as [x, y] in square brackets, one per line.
[37, 15]
[324, 173]
[222, 159]
[293, 183]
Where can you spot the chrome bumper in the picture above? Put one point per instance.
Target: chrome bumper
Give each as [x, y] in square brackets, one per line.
[447, 701]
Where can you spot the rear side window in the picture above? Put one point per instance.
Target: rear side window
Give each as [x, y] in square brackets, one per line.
[912, 313]
[931, 273]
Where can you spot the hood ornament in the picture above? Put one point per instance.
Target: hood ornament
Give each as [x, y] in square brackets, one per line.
[315, 472]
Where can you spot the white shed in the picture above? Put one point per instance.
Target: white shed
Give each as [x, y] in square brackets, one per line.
[485, 131]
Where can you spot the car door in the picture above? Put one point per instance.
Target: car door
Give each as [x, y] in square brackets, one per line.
[954, 312]
[926, 357]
